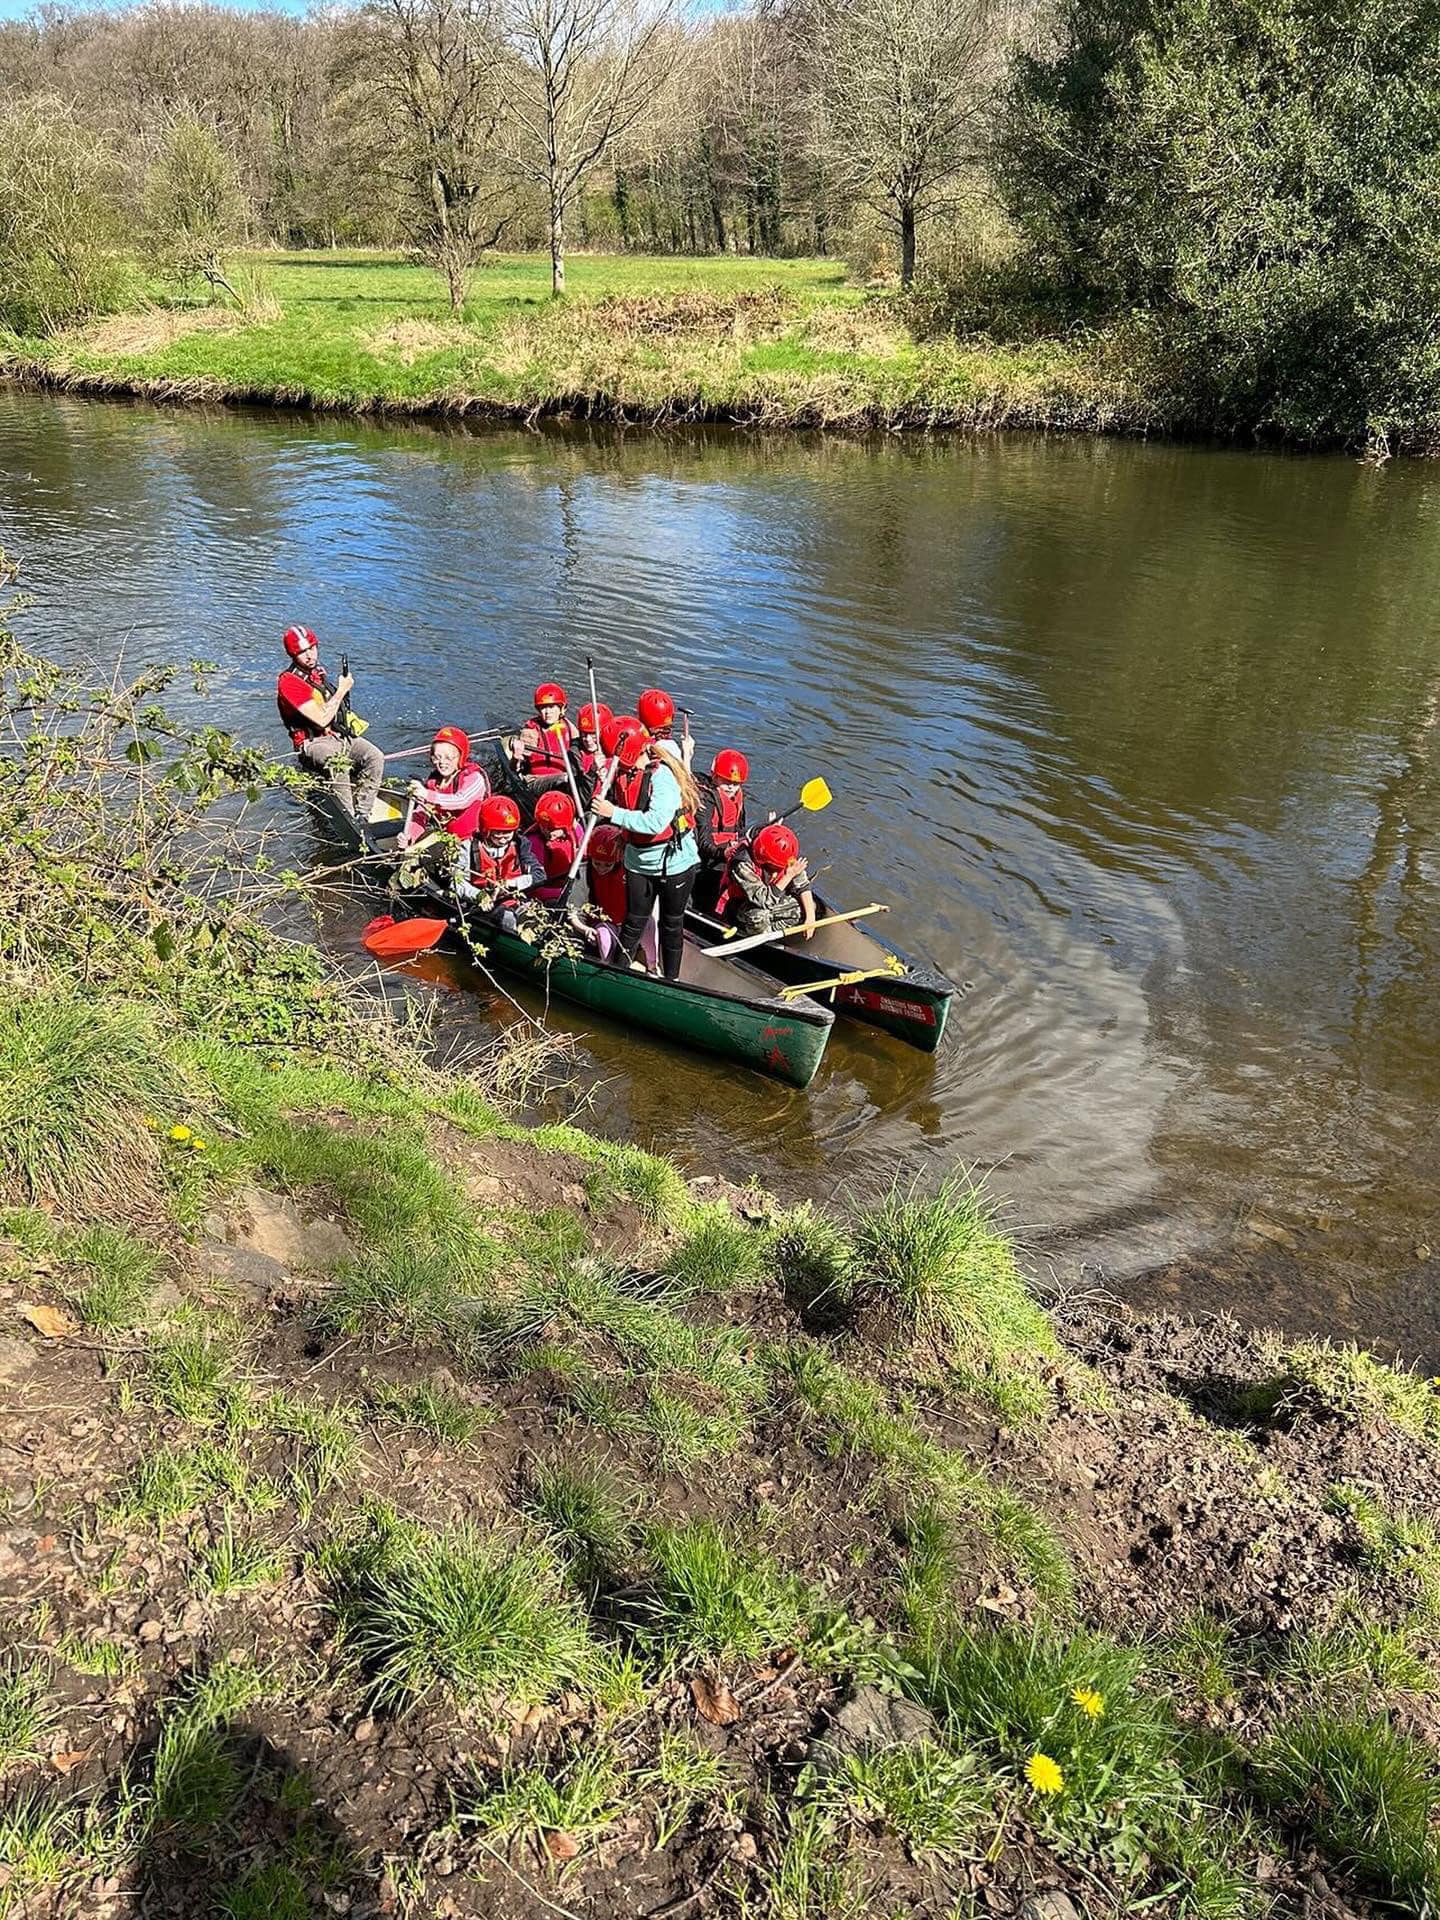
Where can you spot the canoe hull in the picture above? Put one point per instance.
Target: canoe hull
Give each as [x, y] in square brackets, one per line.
[912, 1003]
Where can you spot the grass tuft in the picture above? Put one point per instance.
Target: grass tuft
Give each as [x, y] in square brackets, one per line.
[951, 1276]
[78, 1079]
[582, 1798]
[588, 1511]
[190, 1370]
[1367, 1793]
[444, 1416]
[121, 1277]
[718, 1254]
[934, 1800]
[1358, 1387]
[709, 1595]
[461, 1612]
[197, 1778]
[815, 1258]
[27, 1712]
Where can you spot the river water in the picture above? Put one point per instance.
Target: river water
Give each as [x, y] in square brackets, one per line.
[1142, 742]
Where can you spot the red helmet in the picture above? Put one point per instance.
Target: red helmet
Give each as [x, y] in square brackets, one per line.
[549, 695]
[555, 810]
[454, 737]
[607, 846]
[592, 719]
[633, 746]
[499, 814]
[730, 765]
[655, 708]
[615, 729]
[297, 639]
[775, 846]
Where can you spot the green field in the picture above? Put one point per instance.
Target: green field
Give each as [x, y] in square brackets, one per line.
[763, 342]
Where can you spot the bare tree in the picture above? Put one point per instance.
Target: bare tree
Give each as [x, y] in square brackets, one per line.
[904, 84]
[431, 70]
[580, 73]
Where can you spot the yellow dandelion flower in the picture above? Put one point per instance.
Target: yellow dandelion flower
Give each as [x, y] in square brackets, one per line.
[1090, 1703]
[180, 1133]
[197, 1145]
[1043, 1774]
[151, 1122]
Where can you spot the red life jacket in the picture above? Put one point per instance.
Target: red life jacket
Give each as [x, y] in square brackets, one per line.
[727, 817]
[298, 725]
[633, 790]
[607, 891]
[462, 825]
[584, 761]
[545, 757]
[491, 870]
[555, 852]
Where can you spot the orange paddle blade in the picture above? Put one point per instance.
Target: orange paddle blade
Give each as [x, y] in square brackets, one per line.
[391, 939]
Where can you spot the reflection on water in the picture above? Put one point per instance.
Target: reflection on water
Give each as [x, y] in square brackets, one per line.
[1141, 743]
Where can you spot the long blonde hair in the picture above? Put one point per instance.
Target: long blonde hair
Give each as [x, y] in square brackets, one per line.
[684, 779]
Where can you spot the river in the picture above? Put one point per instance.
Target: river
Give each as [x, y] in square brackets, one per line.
[1140, 741]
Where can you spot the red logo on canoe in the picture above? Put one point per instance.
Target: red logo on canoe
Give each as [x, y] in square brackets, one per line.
[777, 1058]
[874, 1002]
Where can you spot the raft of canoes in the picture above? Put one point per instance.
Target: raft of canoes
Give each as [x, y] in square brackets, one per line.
[770, 1008]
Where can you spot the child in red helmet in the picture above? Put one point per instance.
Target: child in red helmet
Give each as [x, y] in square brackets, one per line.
[502, 866]
[554, 841]
[657, 715]
[720, 828]
[770, 885]
[540, 749]
[451, 798]
[591, 721]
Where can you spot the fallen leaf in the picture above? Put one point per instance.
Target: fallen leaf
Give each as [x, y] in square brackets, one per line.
[67, 1762]
[561, 1846]
[714, 1701]
[46, 1543]
[50, 1321]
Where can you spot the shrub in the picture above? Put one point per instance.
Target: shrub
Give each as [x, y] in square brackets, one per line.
[1200, 162]
[60, 225]
[461, 1611]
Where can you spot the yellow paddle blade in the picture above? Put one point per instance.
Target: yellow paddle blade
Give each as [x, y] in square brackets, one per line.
[815, 795]
[382, 810]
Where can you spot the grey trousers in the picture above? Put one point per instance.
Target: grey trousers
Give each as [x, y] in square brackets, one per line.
[339, 758]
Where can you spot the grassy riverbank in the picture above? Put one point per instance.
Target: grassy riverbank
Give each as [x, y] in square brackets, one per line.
[775, 343]
[409, 1512]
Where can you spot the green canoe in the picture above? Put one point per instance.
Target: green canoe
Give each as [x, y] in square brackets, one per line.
[715, 1006]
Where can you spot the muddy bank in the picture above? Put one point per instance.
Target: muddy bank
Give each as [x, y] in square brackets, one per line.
[1172, 1472]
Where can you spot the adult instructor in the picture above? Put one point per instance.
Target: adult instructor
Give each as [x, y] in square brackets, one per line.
[311, 713]
[654, 806]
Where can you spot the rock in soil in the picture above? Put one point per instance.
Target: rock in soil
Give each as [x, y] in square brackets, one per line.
[870, 1720]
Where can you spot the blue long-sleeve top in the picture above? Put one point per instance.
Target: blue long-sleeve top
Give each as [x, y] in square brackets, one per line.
[664, 805]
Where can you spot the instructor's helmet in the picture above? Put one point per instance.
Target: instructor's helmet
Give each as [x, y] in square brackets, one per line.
[297, 639]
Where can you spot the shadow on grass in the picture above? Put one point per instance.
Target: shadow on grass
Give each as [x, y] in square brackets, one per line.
[238, 1835]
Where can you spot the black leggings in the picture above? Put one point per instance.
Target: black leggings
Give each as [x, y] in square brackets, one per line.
[642, 890]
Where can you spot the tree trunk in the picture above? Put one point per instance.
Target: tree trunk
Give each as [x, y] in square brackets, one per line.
[907, 243]
[557, 246]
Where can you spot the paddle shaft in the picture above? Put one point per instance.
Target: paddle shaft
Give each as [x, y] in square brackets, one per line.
[789, 933]
[590, 825]
[408, 753]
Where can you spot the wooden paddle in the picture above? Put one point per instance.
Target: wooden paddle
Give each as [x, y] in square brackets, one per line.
[391, 939]
[723, 947]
